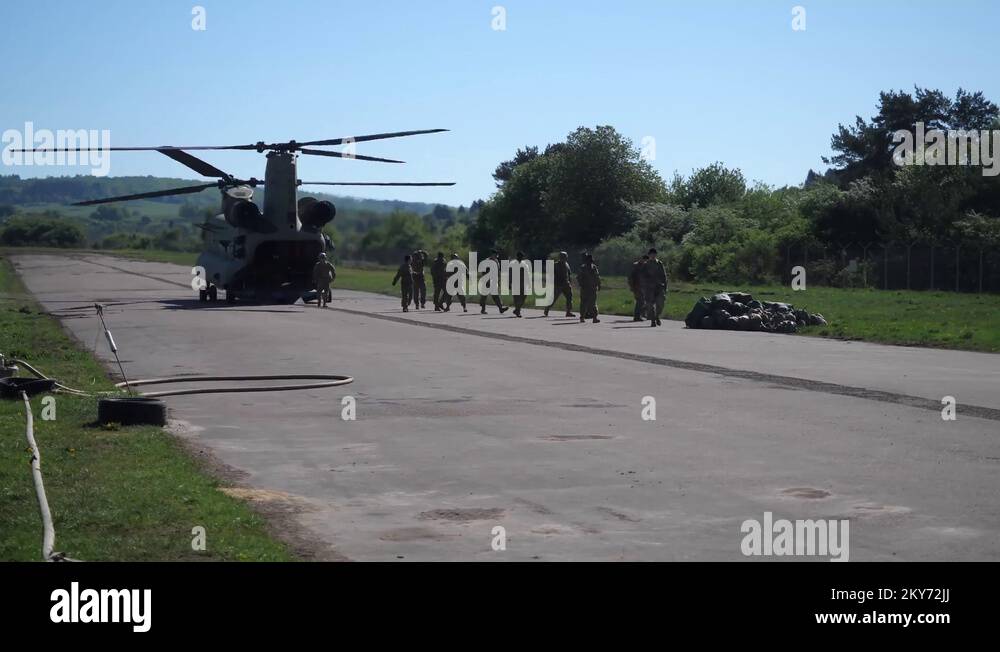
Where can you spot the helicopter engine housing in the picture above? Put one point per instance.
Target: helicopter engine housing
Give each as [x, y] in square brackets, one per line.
[317, 215]
[244, 214]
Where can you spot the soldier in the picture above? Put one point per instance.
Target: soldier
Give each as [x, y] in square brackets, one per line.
[417, 261]
[653, 281]
[634, 285]
[323, 274]
[495, 257]
[562, 285]
[521, 274]
[405, 276]
[589, 279]
[460, 294]
[439, 277]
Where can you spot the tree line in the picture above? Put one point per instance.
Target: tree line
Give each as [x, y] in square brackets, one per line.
[596, 192]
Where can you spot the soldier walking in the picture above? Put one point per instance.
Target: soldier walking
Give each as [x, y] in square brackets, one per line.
[634, 285]
[460, 286]
[323, 275]
[654, 287]
[563, 274]
[404, 275]
[589, 278]
[439, 276]
[494, 292]
[417, 261]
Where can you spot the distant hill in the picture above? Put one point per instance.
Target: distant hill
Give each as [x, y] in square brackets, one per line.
[44, 192]
[178, 215]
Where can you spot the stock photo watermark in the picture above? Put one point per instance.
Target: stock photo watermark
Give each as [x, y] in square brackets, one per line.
[779, 538]
[499, 18]
[200, 21]
[798, 18]
[956, 147]
[199, 540]
[62, 147]
[494, 277]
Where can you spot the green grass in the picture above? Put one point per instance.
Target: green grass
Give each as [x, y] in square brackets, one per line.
[128, 493]
[151, 255]
[937, 319]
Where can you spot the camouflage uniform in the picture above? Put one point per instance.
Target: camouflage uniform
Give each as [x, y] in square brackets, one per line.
[562, 286]
[323, 274]
[589, 278]
[439, 276]
[653, 280]
[458, 295]
[404, 275]
[635, 287]
[417, 261]
[522, 276]
[495, 296]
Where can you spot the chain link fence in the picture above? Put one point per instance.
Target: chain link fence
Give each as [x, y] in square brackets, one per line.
[898, 266]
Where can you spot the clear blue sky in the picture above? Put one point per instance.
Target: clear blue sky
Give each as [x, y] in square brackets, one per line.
[715, 80]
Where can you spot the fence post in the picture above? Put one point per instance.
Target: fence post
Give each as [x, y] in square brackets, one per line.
[864, 261]
[932, 266]
[909, 248]
[885, 266]
[958, 266]
[980, 271]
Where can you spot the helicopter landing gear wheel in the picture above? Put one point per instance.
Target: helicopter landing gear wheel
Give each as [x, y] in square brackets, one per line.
[203, 295]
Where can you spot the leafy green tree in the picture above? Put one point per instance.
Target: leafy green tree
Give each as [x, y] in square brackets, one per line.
[517, 216]
[41, 231]
[979, 230]
[126, 241]
[506, 169]
[400, 234]
[714, 184]
[594, 177]
[454, 239]
[574, 194]
[656, 224]
[110, 213]
[866, 147]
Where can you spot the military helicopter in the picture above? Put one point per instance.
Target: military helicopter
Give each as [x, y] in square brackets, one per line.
[262, 256]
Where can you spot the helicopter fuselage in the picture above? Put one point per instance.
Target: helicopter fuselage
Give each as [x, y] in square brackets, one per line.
[265, 256]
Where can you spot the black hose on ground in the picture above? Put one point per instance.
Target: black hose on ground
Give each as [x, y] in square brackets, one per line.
[147, 409]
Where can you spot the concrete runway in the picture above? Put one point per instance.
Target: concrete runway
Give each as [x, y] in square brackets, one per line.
[466, 422]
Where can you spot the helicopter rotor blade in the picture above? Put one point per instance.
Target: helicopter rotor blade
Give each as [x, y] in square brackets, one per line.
[159, 148]
[375, 183]
[360, 157]
[258, 146]
[147, 195]
[203, 168]
[362, 139]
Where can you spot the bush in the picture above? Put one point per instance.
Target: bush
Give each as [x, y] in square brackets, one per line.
[41, 231]
[125, 241]
[616, 255]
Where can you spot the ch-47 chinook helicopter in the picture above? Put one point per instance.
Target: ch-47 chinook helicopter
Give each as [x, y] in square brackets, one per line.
[263, 256]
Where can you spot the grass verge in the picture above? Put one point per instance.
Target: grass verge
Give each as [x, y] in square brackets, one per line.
[909, 318]
[117, 494]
